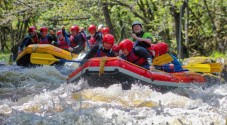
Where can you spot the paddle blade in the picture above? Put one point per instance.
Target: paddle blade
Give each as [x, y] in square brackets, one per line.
[162, 60]
[205, 68]
[44, 59]
[215, 67]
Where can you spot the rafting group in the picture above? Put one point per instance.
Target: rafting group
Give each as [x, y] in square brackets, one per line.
[135, 58]
[138, 49]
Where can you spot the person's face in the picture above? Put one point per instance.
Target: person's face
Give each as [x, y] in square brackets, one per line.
[107, 46]
[137, 28]
[43, 33]
[125, 52]
[73, 32]
[32, 33]
[92, 32]
[60, 37]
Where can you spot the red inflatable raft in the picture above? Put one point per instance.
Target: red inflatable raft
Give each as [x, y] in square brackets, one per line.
[119, 71]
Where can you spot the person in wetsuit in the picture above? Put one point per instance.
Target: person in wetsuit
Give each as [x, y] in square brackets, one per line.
[135, 54]
[100, 51]
[30, 38]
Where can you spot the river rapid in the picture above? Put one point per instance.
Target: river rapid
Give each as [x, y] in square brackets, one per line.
[41, 96]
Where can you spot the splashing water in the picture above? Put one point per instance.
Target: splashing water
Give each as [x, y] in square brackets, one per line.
[40, 96]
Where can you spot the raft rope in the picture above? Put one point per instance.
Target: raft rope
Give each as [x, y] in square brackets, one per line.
[35, 48]
[102, 65]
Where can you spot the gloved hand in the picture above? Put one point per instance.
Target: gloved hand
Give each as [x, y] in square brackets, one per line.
[152, 67]
[171, 66]
[149, 60]
[55, 43]
[168, 68]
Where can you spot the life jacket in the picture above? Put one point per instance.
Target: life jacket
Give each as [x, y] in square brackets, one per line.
[136, 59]
[92, 41]
[100, 53]
[35, 39]
[63, 44]
[72, 42]
[166, 67]
[44, 40]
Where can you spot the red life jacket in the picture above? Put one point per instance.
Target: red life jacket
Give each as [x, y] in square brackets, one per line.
[136, 59]
[72, 43]
[44, 40]
[63, 44]
[92, 41]
[35, 39]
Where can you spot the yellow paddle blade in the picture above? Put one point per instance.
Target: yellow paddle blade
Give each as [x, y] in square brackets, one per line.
[205, 68]
[161, 60]
[215, 67]
[44, 59]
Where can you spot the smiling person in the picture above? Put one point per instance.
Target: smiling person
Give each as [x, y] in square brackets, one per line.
[62, 42]
[137, 55]
[100, 51]
[30, 38]
[161, 48]
[45, 37]
[76, 39]
[105, 31]
[94, 37]
[140, 37]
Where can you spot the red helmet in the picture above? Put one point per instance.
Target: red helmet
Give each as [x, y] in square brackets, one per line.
[126, 44]
[155, 48]
[31, 29]
[75, 28]
[115, 48]
[109, 39]
[43, 29]
[91, 27]
[105, 30]
[162, 47]
[59, 32]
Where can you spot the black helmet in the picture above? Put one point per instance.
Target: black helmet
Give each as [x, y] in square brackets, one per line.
[136, 23]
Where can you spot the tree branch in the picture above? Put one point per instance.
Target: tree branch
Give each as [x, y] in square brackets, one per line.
[214, 27]
[117, 2]
[23, 3]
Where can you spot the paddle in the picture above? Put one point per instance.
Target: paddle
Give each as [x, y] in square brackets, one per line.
[47, 59]
[162, 60]
[215, 67]
[204, 68]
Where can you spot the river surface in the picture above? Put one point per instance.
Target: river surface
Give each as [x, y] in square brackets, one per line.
[40, 96]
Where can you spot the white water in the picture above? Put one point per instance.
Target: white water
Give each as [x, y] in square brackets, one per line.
[40, 96]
